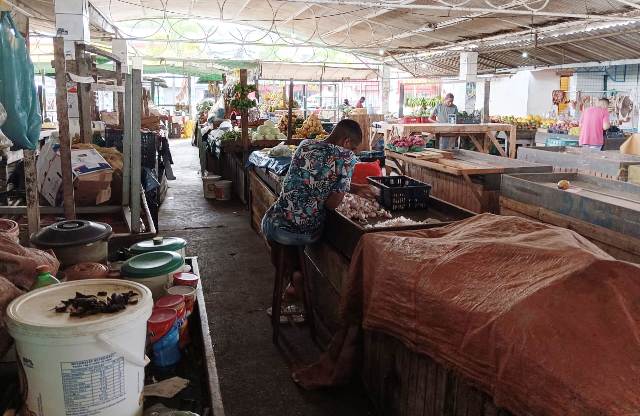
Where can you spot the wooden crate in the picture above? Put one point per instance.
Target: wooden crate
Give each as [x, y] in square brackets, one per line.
[261, 197]
[402, 382]
[605, 211]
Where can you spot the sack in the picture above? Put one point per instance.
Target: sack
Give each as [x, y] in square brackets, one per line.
[17, 89]
[19, 263]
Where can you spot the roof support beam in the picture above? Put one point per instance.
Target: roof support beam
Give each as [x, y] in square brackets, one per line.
[240, 10]
[620, 45]
[563, 53]
[591, 51]
[373, 15]
[449, 9]
[629, 3]
[296, 14]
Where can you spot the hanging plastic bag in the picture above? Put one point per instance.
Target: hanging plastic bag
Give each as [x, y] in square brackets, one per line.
[17, 89]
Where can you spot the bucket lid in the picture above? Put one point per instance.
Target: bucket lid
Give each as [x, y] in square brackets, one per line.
[154, 263]
[170, 301]
[71, 233]
[33, 314]
[158, 244]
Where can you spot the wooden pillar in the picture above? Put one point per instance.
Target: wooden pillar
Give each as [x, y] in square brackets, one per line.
[84, 95]
[244, 114]
[401, 100]
[486, 118]
[290, 121]
[63, 127]
[304, 100]
[31, 185]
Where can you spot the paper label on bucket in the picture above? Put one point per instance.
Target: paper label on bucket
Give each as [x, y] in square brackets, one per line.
[93, 385]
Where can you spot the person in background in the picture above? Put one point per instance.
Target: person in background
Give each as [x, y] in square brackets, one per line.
[346, 103]
[360, 103]
[441, 114]
[593, 123]
[318, 178]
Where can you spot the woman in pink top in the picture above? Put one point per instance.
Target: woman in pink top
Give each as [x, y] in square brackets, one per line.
[593, 122]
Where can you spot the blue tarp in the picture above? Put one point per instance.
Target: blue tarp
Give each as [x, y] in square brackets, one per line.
[278, 165]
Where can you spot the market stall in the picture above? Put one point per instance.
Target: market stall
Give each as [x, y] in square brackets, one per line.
[464, 178]
[482, 136]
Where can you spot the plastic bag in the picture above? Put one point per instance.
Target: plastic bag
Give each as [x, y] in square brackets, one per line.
[17, 89]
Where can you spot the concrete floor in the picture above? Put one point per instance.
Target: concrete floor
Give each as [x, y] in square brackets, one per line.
[237, 279]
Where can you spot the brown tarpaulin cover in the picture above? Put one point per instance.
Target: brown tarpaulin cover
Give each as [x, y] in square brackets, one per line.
[536, 315]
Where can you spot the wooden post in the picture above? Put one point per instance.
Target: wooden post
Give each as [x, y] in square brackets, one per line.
[63, 127]
[120, 108]
[290, 121]
[486, 118]
[84, 95]
[136, 158]
[401, 100]
[304, 100]
[31, 185]
[244, 114]
[126, 142]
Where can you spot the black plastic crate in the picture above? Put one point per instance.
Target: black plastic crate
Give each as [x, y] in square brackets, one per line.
[113, 138]
[401, 192]
[148, 149]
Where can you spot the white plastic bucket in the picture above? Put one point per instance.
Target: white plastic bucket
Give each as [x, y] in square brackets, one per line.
[223, 190]
[92, 365]
[209, 187]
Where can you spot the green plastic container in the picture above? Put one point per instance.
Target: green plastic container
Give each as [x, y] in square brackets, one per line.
[44, 278]
[176, 244]
[155, 270]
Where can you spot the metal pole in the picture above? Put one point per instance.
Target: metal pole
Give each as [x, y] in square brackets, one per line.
[290, 124]
[136, 157]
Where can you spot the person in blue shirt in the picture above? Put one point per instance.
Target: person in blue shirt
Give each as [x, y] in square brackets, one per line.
[317, 180]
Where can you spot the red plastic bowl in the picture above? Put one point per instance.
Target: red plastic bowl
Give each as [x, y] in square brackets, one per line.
[186, 279]
[175, 302]
[160, 323]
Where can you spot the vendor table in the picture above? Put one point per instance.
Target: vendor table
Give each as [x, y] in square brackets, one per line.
[481, 135]
[468, 179]
[605, 211]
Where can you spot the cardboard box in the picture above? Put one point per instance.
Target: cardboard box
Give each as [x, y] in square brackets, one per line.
[92, 176]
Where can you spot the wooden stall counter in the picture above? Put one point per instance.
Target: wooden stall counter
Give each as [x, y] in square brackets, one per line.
[468, 179]
[482, 136]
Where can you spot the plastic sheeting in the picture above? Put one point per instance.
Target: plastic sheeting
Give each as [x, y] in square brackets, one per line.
[536, 315]
[278, 165]
[17, 89]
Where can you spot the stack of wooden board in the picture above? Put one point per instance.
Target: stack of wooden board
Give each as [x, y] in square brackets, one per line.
[468, 179]
[605, 211]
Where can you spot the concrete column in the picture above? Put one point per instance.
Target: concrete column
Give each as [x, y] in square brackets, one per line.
[72, 23]
[120, 47]
[385, 89]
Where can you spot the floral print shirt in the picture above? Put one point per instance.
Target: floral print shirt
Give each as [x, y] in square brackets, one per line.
[317, 169]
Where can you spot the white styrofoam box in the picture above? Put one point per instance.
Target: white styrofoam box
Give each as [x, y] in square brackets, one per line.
[71, 6]
[73, 27]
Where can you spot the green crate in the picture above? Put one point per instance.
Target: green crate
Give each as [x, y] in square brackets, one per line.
[554, 142]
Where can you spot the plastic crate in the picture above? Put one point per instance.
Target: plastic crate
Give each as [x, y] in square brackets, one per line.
[401, 192]
[148, 149]
[554, 142]
[113, 138]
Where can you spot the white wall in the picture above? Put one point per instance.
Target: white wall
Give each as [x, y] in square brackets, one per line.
[509, 95]
[541, 86]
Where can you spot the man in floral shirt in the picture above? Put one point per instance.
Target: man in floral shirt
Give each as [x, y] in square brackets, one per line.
[319, 176]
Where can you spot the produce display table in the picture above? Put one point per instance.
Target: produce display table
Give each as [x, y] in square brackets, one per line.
[605, 211]
[481, 135]
[468, 179]
[609, 164]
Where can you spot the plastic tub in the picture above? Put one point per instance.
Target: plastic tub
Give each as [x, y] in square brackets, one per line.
[223, 190]
[175, 302]
[189, 294]
[159, 243]
[154, 270]
[166, 351]
[64, 360]
[209, 187]
[185, 279]
[160, 323]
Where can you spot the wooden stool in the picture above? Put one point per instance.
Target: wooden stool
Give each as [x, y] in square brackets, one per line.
[286, 268]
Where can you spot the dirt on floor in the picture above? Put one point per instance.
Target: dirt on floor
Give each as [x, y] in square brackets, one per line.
[237, 279]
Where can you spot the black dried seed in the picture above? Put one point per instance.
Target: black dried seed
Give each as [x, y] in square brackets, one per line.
[86, 305]
[102, 293]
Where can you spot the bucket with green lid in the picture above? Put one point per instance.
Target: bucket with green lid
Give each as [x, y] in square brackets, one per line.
[159, 243]
[153, 269]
